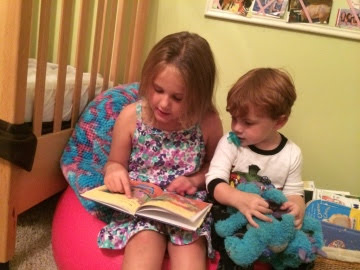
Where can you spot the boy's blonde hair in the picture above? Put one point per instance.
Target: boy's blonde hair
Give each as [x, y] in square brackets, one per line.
[271, 91]
[192, 56]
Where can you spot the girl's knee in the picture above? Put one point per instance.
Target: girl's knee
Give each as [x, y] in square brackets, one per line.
[150, 246]
[191, 256]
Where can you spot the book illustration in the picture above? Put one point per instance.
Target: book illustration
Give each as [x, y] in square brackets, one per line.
[181, 201]
[240, 7]
[309, 11]
[149, 200]
[273, 8]
[143, 192]
[347, 19]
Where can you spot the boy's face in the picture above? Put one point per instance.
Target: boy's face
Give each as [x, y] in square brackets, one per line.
[257, 129]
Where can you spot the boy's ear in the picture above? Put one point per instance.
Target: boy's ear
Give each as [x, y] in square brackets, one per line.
[281, 121]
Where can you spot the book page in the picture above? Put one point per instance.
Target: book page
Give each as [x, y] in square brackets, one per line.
[179, 205]
[141, 192]
[164, 216]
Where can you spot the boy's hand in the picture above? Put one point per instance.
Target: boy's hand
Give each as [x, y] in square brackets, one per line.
[117, 179]
[182, 185]
[252, 205]
[295, 210]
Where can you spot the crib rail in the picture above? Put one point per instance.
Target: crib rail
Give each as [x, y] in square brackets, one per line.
[108, 37]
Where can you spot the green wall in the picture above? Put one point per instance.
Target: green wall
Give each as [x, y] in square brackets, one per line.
[325, 119]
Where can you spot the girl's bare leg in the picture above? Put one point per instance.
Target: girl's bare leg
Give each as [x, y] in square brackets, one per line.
[145, 250]
[192, 256]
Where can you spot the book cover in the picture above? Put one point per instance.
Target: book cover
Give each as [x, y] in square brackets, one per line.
[334, 213]
[149, 200]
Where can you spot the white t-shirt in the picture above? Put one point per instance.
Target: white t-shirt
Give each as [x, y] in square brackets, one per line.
[282, 165]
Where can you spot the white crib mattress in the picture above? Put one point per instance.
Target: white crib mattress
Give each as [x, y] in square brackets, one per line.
[50, 91]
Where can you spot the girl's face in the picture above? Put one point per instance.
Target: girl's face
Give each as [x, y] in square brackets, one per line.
[166, 98]
[257, 130]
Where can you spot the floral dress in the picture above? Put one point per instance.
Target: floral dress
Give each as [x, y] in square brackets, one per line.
[159, 157]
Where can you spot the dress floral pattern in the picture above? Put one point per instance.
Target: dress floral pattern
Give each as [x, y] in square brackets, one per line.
[159, 157]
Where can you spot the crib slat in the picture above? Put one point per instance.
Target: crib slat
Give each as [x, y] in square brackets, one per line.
[96, 47]
[138, 40]
[14, 52]
[129, 45]
[41, 66]
[117, 42]
[102, 37]
[111, 6]
[80, 54]
[63, 49]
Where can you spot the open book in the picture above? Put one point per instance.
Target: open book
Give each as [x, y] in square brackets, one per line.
[149, 200]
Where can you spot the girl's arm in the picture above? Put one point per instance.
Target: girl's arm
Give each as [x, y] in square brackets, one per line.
[212, 131]
[116, 176]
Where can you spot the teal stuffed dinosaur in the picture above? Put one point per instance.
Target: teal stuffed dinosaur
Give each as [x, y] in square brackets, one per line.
[276, 242]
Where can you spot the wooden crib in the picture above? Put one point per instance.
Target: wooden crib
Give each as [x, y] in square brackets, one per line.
[114, 32]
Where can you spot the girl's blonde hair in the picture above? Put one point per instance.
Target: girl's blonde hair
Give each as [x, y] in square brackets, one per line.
[271, 92]
[192, 56]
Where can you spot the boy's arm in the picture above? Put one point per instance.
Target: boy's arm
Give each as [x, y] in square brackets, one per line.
[294, 187]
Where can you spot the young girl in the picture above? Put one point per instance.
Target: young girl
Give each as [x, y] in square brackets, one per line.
[167, 138]
[260, 103]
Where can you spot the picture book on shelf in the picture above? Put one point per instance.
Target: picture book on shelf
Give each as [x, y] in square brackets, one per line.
[341, 198]
[336, 196]
[149, 200]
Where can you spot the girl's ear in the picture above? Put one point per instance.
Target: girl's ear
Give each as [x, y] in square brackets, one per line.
[281, 121]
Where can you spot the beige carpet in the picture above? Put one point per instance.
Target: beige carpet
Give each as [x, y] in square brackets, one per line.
[33, 238]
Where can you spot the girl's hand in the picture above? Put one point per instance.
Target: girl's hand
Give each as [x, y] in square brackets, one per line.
[182, 185]
[252, 205]
[295, 210]
[117, 179]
